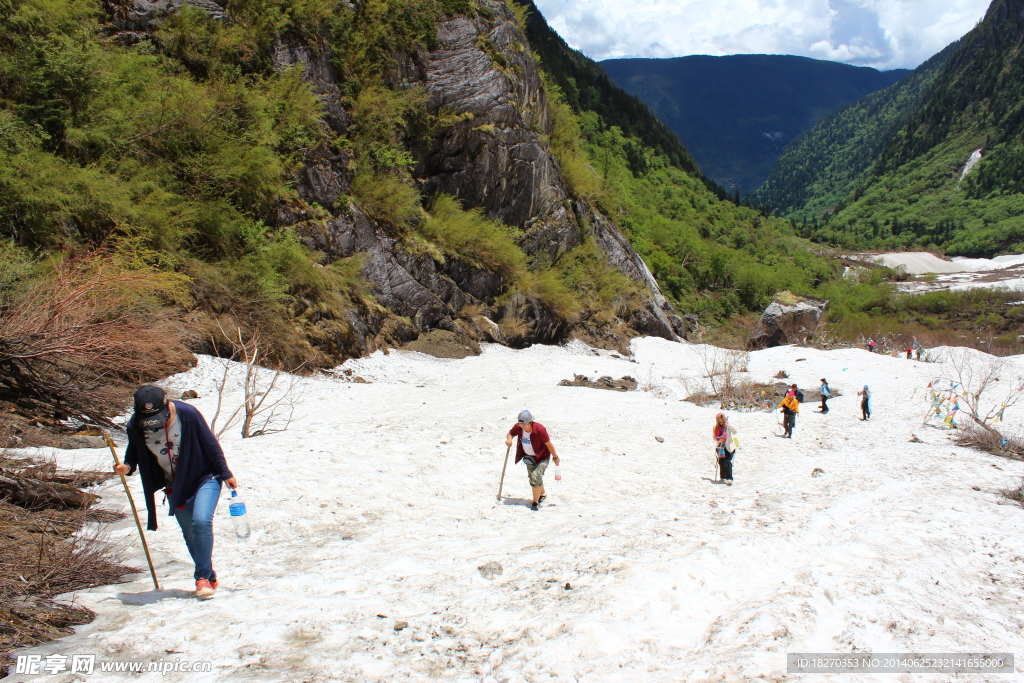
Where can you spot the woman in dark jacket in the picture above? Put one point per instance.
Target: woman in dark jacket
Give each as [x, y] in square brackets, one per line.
[171, 445]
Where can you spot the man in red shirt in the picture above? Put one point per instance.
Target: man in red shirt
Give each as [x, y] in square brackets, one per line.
[534, 447]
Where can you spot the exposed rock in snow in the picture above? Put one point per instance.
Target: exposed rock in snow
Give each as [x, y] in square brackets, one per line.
[787, 319]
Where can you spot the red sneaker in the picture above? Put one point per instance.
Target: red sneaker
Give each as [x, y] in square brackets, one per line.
[203, 588]
[213, 584]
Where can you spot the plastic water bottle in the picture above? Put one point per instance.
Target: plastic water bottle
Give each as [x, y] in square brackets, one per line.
[558, 474]
[239, 520]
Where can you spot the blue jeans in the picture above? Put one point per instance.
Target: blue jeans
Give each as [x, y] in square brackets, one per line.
[196, 522]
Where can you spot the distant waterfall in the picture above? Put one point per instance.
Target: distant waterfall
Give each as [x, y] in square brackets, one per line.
[971, 161]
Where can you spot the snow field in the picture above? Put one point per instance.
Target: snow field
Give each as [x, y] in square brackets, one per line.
[380, 499]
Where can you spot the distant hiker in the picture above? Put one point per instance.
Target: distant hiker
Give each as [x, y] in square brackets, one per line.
[533, 448]
[725, 447]
[909, 351]
[796, 392]
[918, 349]
[871, 345]
[825, 392]
[865, 402]
[790, 407]
[174, 450]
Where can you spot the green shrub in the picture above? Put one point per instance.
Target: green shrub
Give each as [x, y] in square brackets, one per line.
[550, 290]
[17, 268]
[470, 236]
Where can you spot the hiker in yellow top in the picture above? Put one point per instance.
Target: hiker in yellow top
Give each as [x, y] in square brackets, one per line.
[790, 407]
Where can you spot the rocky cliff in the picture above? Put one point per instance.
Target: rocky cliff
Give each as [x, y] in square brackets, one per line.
[482, 75]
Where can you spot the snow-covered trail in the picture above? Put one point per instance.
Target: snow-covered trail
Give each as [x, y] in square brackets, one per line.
[380, 500]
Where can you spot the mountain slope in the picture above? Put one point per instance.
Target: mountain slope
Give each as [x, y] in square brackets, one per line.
[951, 177]
[345, 177]
[820, 167]
[736, 113]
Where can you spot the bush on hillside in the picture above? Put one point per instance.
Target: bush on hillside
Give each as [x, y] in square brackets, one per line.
[89, 321]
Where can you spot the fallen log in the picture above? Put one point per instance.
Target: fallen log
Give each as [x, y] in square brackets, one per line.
[32, 493]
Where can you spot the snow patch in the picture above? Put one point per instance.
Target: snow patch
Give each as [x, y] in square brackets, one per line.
[378, 506]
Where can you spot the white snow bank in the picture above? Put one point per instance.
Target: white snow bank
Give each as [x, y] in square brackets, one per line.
[917, 262]
[378, 505]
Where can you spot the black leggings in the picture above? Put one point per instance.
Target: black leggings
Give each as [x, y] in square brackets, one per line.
[725, 465]
[865, 409]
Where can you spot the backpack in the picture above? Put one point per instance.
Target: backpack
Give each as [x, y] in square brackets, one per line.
[799, 396]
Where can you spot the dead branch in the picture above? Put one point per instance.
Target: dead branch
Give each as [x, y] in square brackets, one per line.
[267, 406]
[32, 493]
[985, 388]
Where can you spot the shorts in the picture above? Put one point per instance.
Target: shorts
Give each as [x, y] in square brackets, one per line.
[536, 472]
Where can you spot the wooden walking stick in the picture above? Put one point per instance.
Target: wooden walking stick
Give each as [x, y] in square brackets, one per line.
[502, 483]
[135, 511]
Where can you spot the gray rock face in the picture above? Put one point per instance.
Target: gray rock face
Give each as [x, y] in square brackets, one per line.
[787, 319]
[293, 51]
[659, 318]
[414, 286]
[140, 15]
[482, 74]
[493, 159]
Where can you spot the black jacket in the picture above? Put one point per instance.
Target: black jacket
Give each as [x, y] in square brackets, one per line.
[200, 458]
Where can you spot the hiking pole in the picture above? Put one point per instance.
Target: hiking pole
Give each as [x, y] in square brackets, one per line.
[502, 483]
[135, 511]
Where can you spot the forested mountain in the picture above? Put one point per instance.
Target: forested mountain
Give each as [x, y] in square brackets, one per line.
[822, 166]
[340, 177]
[951, 177]
[736, 113]
[586, 87]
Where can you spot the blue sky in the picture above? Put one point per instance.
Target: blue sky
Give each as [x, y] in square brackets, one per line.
[885, 34]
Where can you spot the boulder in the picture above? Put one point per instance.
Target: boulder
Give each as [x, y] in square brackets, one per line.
[788, 319]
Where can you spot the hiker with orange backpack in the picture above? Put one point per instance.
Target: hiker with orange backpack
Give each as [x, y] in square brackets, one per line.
[790, 407]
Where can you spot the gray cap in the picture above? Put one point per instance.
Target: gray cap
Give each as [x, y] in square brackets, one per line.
[525, 416]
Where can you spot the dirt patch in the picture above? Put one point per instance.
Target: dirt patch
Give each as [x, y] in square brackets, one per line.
[1008, 446]
[625, 383]
[444, 344]
[42, 558]
[1016, 495]
[752, 396]
[607, 337]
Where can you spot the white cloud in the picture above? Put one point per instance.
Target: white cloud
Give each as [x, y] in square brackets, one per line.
[885, 34]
